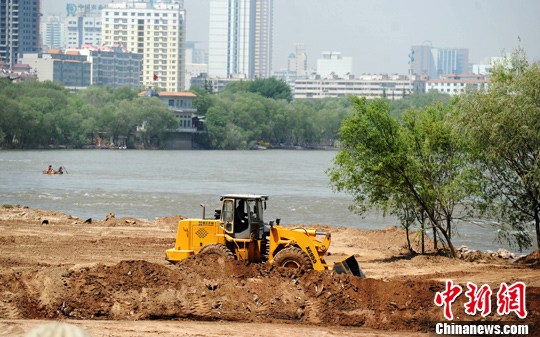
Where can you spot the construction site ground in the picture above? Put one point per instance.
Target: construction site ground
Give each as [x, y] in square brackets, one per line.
[109, 276]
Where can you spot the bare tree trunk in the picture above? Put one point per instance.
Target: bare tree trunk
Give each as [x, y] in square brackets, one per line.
[447, 239]
[408, 240]
[448, 227]
[537, 224]
[435, 239]
[431, 218]
[423, 238]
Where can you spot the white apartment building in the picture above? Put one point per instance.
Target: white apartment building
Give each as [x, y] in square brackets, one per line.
[393, 87]
[458, 84]
[333, 64]
[82, 26]
[240, 38]
[154, 28]
[52, 33]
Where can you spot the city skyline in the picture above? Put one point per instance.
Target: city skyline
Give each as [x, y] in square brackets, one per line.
[378, 35]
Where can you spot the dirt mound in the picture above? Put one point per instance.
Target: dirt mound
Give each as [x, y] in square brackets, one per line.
[532, 260]
[534, 256]
[114, 269]
[203, 289]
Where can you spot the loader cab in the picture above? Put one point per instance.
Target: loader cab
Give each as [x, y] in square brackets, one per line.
[242, 215]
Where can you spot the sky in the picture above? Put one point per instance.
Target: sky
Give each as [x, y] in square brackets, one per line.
[378, 34]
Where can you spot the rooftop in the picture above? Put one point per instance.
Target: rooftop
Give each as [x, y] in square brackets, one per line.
[185, 94]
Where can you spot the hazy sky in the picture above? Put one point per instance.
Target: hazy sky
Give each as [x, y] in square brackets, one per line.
[378, 34]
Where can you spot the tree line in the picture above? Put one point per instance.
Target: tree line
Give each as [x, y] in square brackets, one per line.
[477, 157]
[246, 114]
[44, 114]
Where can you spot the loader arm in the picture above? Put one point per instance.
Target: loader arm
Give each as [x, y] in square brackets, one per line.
[281, 238]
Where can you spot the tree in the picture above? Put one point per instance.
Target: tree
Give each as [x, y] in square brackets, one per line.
[157, 119]
[203, 101]
[409, 168]
[445, 177]
[417, 101]
[269, 88]
[503, 129]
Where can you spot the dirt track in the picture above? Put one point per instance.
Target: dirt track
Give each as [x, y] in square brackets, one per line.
[107, 274]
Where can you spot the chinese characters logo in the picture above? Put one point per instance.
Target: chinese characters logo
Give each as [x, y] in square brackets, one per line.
[510, 298]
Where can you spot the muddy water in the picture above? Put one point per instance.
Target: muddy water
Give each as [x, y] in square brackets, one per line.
[152, 184]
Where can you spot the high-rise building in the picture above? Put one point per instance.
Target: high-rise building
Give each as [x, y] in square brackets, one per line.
[435, 62]
[83, 25]
[19, 29]
[52, 33]
[240, 38]
[263, 38]
[297, 62]
[453, 61]
[423, 61]
[154, 28]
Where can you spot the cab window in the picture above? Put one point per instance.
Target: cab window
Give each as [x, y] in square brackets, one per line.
[227, 213]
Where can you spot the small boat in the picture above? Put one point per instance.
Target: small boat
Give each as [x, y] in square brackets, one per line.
[52, 172]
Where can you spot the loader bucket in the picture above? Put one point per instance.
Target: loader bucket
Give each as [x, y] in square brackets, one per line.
[348, 266]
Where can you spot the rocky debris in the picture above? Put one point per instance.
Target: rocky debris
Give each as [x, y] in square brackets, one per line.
[475, 255]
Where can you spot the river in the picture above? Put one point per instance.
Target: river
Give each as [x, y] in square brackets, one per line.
[150, 184]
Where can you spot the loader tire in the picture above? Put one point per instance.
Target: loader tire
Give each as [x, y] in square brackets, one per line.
[293, 257]
[217, 250]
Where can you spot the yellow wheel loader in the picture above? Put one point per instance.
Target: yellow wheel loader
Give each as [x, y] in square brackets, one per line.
[238, 231]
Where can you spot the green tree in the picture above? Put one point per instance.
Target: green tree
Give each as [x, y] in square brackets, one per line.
[503, 127]
[31, 108]
[11, 122]
[203, 101]
[158, 120]
[417, 101]
[412, 168]
[437, 156]
[271, 88]
[268, 87]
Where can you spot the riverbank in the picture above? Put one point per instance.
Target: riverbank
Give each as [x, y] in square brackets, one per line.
[106, 273]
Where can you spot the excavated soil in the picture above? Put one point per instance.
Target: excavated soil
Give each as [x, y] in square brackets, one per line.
[57, 267]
